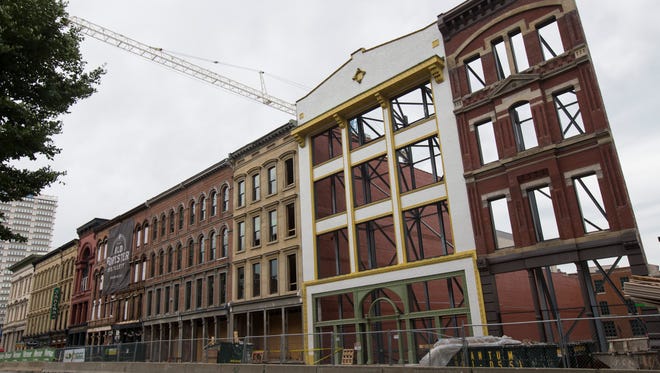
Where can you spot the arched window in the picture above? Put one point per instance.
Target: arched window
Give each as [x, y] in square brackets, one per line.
[202, 208]
[225, 199]
[225, 243]
[191, 253]
[180, 217]
[170, 257]
[214, 203]
[171, 221]
[163, 224]
[138, 236]
[179, 257]
[154, 229]
[161, 262]
[202, 243]
[152, 266]
[192, 212]
[212, 249]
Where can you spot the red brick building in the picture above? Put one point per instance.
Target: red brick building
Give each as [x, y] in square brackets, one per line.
[543, 177]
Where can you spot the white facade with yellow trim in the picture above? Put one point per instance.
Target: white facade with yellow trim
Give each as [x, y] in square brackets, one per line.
[384, 201]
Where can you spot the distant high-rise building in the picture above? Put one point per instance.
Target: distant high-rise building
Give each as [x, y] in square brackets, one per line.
[32, 217]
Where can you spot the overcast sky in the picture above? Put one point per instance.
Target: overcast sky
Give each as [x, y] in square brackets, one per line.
[148, 128]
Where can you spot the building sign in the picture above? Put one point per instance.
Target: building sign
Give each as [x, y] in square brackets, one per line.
[118, 268]
[55, 304]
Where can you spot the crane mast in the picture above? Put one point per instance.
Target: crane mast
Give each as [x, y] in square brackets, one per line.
[178, 64]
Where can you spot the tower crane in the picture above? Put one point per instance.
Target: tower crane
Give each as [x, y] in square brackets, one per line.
[159, 56]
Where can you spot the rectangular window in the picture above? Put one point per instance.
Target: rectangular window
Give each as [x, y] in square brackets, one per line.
[256, 231]
[366, 127]
[290, 220]
[412, 106]
[256, 279]
[223, 288]
[475, 74]
[599, 286]
[371, 181]
[332, 254]
[610, 329]
[592, 209]
[519, 51]
[623, 280]
[240, 241]
[289, 172]
[188, 294]
[543, 213]
[210, 292]
[272, 225]
[292, 267]
[256, 187]
[330, 195]
[501, 59]
[136, 272]
[158, 301]
[428, 232]
[501, 223]
[139, 237]
[241, 193]
[523, 127]
[326, 145]
[419, 164]
[376, 246]
[240, 283]
[604, 308]
[638, 327]
[198, 294]
[148, 303]
[568, 113]
[273, 270]
[550, 40]
[487, 144]
[272, 180]
[167, 299]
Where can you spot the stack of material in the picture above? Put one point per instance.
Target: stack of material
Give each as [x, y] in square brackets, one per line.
[643, 289]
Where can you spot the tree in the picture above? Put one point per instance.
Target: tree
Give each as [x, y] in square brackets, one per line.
[41, 75]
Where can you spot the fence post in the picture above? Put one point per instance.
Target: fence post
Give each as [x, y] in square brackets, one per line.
[389, 346]
[465, 345]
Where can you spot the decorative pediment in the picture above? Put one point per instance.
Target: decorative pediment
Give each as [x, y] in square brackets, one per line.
[512, 83]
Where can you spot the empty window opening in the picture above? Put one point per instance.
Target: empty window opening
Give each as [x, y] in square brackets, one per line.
[412, 106]
[518, 50]
[475, 74]
[371, 181]
[332, 254]
[487, 143]
[592, 209]
[550, 40]
[290, 220]
[428, 232]
[256, 230]
[366, 127]
[419, 164]
[330, 195]
[543, 213]
[256, 279]
[501, 223]
[289, 172]
[326, 145]
[376, 245]
[568, 112]
[501, 59]
[273, 285]
[523, 126]
[240, 284]
[292, 268]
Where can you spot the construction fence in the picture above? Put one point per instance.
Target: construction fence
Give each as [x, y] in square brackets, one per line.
[569, 343]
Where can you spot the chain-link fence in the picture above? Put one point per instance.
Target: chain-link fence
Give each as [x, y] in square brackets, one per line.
[568, 342]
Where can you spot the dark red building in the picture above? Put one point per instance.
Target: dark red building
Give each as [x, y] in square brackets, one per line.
[544, 180]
